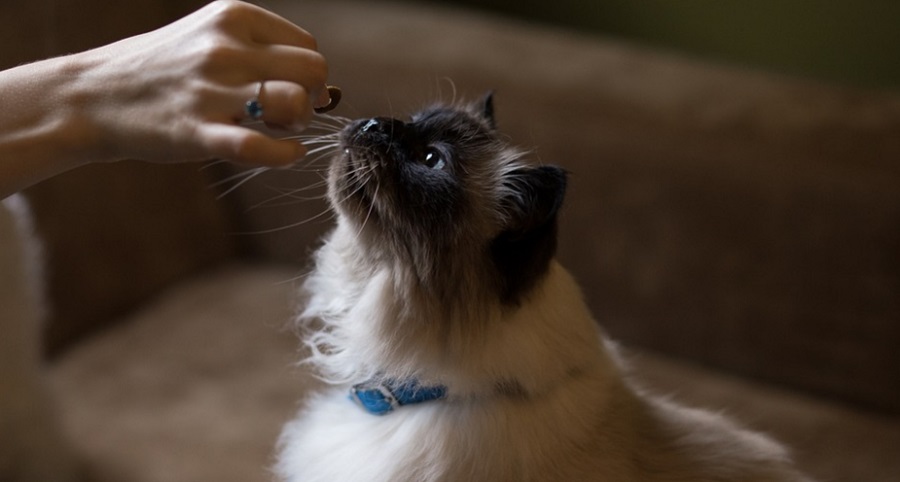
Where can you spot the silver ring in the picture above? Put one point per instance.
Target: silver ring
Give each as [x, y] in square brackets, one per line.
[253, 108]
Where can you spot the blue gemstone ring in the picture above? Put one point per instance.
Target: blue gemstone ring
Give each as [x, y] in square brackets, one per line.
[253, 108]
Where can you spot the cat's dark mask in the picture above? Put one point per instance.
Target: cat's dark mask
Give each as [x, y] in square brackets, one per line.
[443, 191]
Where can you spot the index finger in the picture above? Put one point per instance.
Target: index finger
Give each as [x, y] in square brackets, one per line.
[267, 27]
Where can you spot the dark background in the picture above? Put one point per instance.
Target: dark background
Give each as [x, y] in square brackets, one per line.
[853, 43]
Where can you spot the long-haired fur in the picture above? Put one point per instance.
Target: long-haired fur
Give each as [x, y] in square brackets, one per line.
[441, 268]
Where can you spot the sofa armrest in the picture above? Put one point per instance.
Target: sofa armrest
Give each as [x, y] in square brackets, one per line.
[114, 235]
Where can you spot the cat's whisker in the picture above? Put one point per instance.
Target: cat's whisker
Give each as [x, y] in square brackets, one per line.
[253, 173]
[214, 163]
[295, 279]
[336, 119]
[326, 126]
[325, 138]
[310, 219]
[327, 147]
[312, 158]
[304, 138]
[246, 173]
[362, 172]
[307, 138]
[363, 180]
[323, 131]
[330, 119]
[453, 92]
[321, 140]
[318, 143]
[369, 213]
[292, 196]
[310, 167]
[289, 200]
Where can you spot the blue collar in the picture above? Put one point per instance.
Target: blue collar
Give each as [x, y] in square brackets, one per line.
[380, 397]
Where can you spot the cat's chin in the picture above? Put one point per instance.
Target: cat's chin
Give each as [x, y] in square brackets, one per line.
[348, 184]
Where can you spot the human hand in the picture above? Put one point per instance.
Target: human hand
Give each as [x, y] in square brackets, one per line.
[178, 93]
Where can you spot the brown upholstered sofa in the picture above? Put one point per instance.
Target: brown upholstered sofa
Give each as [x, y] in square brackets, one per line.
[740, 231]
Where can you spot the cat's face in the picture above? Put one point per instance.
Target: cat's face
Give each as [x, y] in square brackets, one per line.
[442, 193]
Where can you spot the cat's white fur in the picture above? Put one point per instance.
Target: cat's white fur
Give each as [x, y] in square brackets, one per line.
[32, 447]
[573, 414]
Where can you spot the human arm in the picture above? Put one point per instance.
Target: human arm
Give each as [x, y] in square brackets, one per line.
[173, 94]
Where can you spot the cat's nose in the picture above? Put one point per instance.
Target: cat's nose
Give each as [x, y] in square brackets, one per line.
[375, 135]
[382, 125]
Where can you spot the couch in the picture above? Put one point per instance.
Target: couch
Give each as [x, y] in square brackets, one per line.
[738, 231]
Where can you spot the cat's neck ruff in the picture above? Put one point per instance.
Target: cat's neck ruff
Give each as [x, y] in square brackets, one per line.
[372, 328]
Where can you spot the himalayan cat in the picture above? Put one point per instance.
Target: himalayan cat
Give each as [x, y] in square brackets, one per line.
[458, 349]
[32, 447]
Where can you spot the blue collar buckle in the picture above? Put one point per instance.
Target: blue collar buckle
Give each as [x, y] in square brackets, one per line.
[381, 397]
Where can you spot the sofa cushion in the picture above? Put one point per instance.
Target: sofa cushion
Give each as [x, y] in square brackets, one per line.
[193, 387]
[196, 385]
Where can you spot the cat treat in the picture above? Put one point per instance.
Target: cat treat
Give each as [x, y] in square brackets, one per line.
[335, 94]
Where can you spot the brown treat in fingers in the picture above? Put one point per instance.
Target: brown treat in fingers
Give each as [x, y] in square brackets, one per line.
[335, 94]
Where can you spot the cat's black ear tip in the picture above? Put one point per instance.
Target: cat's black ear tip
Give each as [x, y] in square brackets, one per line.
[557, 173]
[554, 178]
[487, 108]
[554, 182]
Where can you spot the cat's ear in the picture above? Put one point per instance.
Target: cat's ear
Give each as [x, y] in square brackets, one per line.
[536, 195]
[487, 109]
[523, 250]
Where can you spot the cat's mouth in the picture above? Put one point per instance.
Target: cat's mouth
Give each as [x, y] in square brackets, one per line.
[354, 177]
[366, 146]
[355, 173]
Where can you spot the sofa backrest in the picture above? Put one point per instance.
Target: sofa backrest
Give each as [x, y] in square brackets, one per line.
[744, 221]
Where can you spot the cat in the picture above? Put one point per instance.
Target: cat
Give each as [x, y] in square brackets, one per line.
[437, 306]
[33, 447]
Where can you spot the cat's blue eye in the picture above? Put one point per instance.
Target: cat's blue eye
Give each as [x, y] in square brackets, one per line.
[434, 159]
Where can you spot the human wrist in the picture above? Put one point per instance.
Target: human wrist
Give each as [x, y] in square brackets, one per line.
[43, 130]
[80, 135]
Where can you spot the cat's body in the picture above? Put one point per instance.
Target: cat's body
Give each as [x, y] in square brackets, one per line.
[441, 270]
